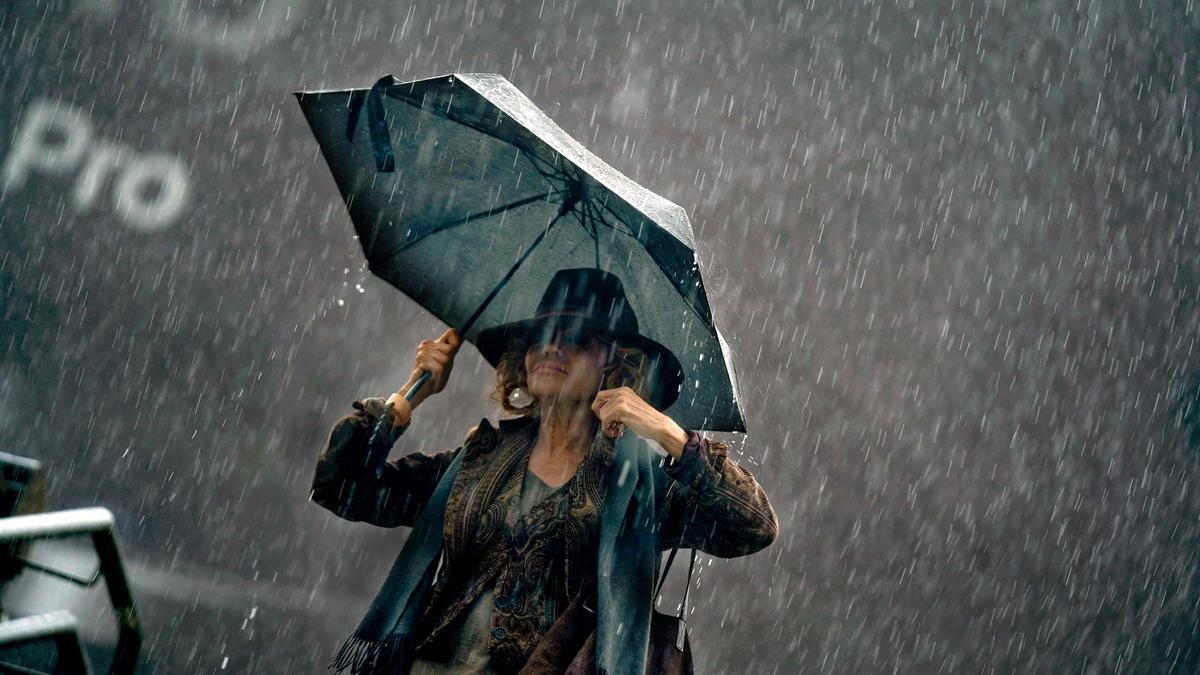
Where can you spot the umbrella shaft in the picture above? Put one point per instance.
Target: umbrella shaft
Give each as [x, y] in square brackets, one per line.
[513, 270]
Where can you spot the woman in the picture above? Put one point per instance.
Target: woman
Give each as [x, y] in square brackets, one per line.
[553, 502]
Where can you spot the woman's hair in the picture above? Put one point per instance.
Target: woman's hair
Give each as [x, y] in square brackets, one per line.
[626, 367]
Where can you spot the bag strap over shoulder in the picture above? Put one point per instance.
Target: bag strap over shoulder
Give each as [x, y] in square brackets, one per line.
[686, 590]
[662, 579]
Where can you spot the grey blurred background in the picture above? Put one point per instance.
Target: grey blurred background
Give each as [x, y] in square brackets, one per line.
[953, 246]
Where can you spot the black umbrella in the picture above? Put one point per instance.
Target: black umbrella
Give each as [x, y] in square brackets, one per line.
[468, 198]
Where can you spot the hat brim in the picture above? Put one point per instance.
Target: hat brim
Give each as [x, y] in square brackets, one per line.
[665, 374]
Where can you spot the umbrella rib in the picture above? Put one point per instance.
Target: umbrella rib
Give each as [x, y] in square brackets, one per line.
[546, 170]
[592, 227]
[661, 266]
[596, 222]
[509, 275]
[420, 105]
[472, 218]
[551, 171]
[599, 215]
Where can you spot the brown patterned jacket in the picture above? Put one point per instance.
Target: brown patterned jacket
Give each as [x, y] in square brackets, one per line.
[537, 561]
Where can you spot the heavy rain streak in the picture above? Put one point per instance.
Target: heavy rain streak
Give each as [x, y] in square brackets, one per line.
[952, 248]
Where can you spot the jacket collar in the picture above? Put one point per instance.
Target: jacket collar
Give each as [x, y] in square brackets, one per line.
[511, 424]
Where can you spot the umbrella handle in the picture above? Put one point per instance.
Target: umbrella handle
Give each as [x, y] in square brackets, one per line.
[384, 436]
[425, 377]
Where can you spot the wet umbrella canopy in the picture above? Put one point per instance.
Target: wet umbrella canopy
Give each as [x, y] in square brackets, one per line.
[468, 198]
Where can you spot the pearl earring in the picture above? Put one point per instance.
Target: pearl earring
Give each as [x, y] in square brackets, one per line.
[520, 398]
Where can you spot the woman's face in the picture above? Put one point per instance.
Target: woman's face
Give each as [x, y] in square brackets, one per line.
[562, 367]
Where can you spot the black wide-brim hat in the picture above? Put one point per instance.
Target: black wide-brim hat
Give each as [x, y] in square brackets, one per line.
[586, 300]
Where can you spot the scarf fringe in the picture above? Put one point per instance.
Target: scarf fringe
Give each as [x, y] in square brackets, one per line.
[365, 656]
[358, 654]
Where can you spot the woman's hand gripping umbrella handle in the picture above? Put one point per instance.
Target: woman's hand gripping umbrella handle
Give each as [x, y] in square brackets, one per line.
[431, 370]
[384, 437]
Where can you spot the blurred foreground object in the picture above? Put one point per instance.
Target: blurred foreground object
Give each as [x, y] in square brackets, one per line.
[25, 641]
[22, 492]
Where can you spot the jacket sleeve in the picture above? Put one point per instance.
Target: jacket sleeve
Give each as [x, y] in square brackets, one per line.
[342, 486]
[713, 504]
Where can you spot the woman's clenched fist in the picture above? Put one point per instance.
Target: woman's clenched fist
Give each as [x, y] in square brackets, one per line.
[435, 356]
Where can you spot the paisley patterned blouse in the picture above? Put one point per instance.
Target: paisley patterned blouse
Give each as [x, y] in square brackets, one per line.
[469, 637]
[531, 563]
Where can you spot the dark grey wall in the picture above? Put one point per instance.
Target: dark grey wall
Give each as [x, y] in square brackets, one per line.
[953, 246]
